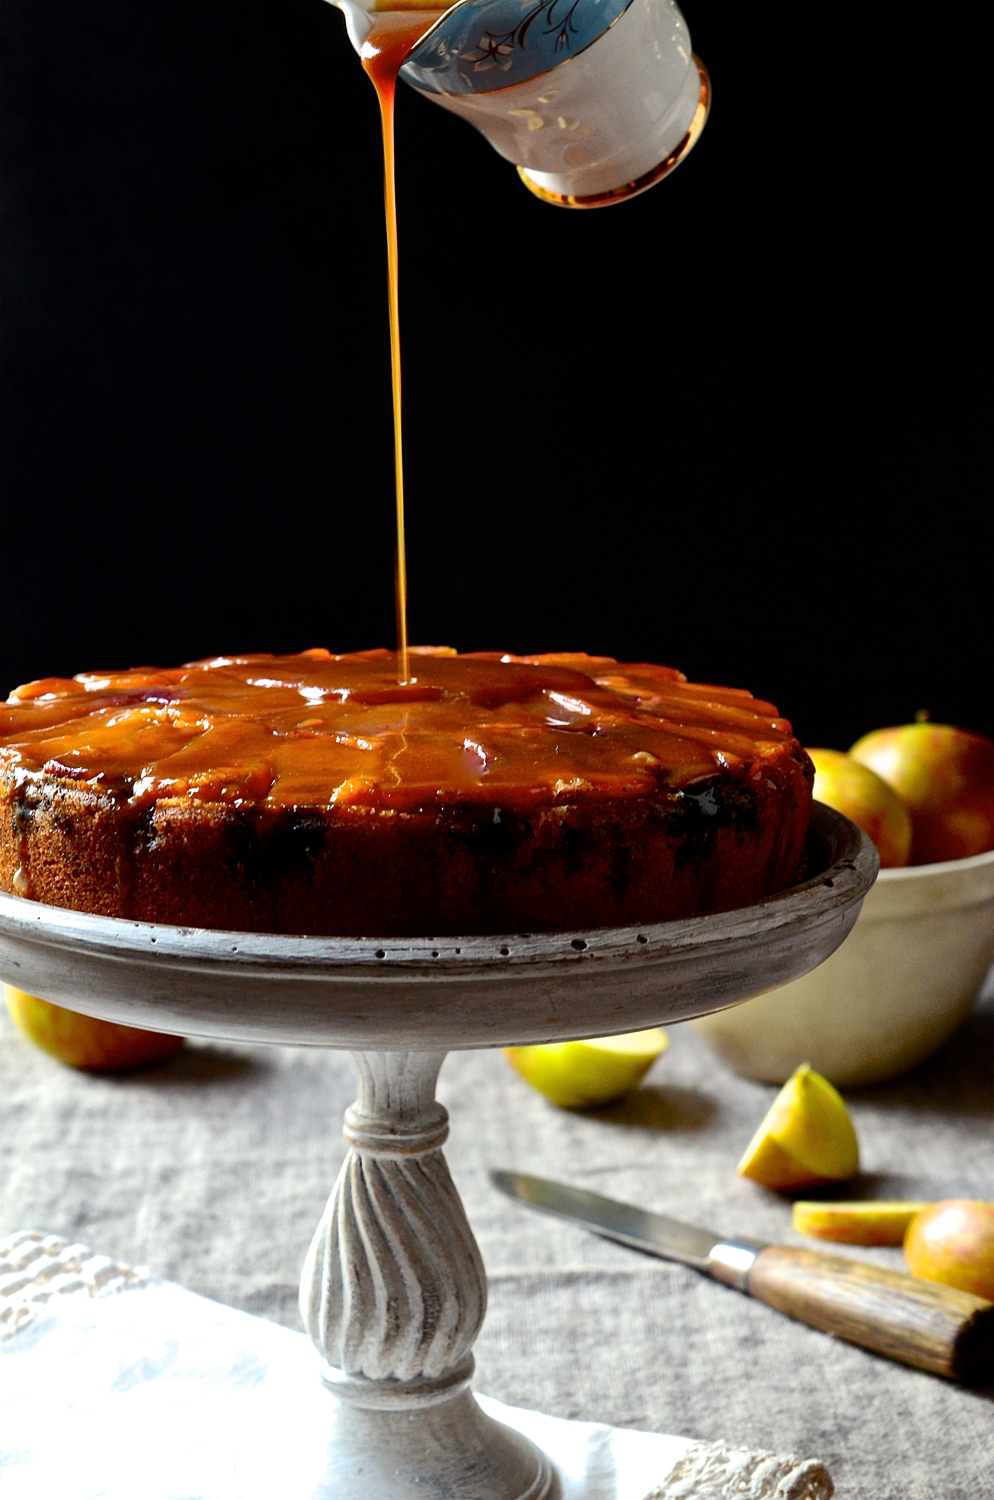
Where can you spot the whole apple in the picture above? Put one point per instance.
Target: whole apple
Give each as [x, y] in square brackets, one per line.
[953, 1242]
[859, 793]
[945, 778]
[83, 1041]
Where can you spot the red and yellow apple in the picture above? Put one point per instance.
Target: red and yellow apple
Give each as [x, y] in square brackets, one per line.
[953, 1242]
[83, 1041]
[945, 778]
[858, 792]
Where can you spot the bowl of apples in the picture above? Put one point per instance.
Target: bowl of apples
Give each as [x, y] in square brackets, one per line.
[908, 973]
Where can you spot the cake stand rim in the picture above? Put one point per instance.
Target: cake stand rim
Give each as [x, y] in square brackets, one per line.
[852, 868]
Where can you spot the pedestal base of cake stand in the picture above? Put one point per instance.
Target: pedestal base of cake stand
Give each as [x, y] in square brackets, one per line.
[393, 1291]
[452, 1451]
[393, 1294]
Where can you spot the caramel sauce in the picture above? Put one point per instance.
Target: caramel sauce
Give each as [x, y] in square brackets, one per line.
[394, 34]
[341, 731]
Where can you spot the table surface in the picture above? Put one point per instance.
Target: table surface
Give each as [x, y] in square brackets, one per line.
[213, 1170]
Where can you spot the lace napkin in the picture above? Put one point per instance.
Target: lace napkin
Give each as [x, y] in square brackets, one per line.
[163, 1395]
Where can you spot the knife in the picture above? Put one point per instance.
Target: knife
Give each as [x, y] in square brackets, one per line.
[921, 1323]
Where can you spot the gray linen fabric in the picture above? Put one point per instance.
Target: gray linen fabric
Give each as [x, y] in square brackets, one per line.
[214, 1168]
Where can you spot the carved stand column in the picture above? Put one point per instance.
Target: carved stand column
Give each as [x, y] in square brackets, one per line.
[393, 1294]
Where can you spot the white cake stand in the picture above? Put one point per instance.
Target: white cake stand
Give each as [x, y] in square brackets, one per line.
[393, 1291]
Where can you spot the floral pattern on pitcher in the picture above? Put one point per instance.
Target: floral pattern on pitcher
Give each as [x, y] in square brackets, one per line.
[484, 45]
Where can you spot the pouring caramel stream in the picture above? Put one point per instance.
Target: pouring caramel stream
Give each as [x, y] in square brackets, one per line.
[394, 34]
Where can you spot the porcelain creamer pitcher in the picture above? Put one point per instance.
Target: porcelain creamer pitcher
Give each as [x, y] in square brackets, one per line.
[593, 100]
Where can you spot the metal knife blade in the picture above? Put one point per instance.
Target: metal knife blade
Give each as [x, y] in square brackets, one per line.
[636, 1227]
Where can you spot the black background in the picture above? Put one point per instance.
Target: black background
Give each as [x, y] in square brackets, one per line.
[733, 425]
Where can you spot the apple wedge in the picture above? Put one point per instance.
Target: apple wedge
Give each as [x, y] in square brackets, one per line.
[581, 1075]
[806, 1137]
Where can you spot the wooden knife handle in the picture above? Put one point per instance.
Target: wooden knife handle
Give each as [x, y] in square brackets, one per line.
[921, 1323]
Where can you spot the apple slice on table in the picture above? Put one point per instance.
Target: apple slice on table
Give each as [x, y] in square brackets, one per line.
[83, 1041]
[862, 1223]
[582, 1075]
[806, 1137]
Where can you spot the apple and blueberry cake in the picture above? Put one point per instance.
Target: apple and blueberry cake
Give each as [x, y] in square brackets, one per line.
[316, 794]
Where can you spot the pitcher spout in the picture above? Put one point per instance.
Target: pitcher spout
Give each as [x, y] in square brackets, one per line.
[360, 14]
[358, 19]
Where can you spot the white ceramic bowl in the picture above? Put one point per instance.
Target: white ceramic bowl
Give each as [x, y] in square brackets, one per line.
[901, 983]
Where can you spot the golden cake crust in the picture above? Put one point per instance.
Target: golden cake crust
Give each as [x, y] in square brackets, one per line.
[315, 794]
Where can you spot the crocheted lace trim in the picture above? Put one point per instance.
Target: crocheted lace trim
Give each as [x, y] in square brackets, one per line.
[35, 1269]
[710, 1471]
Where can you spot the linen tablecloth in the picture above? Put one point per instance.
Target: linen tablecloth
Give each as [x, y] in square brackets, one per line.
[213, 1170]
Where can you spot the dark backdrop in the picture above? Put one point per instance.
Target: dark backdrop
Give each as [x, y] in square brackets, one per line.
[731, 425]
